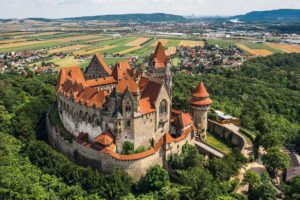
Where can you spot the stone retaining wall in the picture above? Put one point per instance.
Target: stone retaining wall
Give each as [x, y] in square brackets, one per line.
[230, 135]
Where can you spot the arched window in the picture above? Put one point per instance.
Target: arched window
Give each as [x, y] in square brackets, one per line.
[128, 108]
[163, 107]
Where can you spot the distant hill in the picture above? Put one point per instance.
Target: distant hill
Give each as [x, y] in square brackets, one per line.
[271, 15]
[155, 17]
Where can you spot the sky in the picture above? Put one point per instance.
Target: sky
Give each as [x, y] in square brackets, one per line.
[75, 8]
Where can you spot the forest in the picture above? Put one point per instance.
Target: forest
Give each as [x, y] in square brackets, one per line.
[264, 94]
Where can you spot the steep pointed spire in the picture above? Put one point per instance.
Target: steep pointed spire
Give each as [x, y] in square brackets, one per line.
[159, 54]
[200, 91]
[200, 96]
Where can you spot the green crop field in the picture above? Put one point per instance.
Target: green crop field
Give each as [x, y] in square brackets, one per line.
[172, 43]
[261, 46]
[116, 49]
[113, 60]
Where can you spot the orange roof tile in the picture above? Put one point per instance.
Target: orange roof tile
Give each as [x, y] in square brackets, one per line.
[100, 81]
[204, 102]
[103, 63]
[170, 139]
[120, 69]
[86, 94]
[186, 119]
[105, 138]
[145, 106]
[73, 74]
[159, 56]
[200, 91]
[127, 82]
[143, 82]
[98, 99]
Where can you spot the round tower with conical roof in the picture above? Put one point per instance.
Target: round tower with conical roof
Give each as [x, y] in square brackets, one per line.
[199, 104]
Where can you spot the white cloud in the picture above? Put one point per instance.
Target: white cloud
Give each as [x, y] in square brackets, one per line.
[65, 8]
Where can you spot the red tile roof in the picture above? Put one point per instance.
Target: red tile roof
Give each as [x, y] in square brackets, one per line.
[143, 83]
[100, 81]
[200, 96]
[86, 94]
[145, 106]
[200, 91]
[127, 82]
[170, 139]
[204, 102]
[74, 74]
[159, 56]
[186, 119]
[97, 100]
[120, 69]
[105, 139]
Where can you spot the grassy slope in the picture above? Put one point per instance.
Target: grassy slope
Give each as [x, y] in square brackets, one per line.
[218, 143]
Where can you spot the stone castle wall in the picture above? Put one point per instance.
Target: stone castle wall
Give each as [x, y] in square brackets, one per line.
[105, 162]
[226, 133]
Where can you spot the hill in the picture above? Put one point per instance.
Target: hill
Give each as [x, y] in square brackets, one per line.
[155, 17]
[271, 15]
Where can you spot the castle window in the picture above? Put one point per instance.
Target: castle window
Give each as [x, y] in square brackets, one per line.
[128, 124]
[128, 108]
[163, 108]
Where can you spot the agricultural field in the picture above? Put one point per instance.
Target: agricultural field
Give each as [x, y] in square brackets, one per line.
[285, 47]
[93, 50]
[252, 51]
[163, 42]
[171, 50]
[138, 42]
[191, 43]
[67, 48]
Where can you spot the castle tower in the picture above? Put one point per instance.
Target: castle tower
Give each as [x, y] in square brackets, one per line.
[200, 103]
[160, 68]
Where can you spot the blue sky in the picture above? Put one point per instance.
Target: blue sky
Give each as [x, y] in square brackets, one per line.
[70, 8]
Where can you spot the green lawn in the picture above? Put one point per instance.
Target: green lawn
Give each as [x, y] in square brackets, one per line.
[172, 43]
[218, 143]
[112, 61]
[148, 42]
[176, 61]
[144, 51]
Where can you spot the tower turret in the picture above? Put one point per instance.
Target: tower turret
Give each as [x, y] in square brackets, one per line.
[200, 103]
[160, 68]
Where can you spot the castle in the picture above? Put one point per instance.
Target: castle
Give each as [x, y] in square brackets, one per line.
[104, 108]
